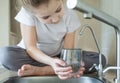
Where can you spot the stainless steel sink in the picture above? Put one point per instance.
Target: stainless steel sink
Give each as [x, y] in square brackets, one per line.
[53, 79]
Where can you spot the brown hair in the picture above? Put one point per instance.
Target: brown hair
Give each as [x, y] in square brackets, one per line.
[27, 4]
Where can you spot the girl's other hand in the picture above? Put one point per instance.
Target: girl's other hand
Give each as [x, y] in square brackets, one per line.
[60, 68]
[79, 73]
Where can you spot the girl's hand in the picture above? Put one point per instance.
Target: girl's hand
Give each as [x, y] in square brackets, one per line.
[79, 73]
[59, 66]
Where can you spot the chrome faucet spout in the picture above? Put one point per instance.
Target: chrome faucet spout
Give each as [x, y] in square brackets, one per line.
[90, 28]
[99, 67]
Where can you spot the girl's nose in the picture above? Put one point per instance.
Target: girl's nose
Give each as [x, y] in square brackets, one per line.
[55, 19]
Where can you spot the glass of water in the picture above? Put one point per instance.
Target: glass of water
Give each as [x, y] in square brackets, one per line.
[73, 58]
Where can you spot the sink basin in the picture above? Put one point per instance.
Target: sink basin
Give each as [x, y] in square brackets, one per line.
[52, 79]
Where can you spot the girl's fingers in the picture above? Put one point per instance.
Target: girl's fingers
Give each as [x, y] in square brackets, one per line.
[64, 77]
[82, 69]
[65, 73]
[63, 69]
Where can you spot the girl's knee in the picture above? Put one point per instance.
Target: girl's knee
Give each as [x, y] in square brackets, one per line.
[7, 57]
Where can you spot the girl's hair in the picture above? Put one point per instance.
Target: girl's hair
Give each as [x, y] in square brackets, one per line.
[27, 4]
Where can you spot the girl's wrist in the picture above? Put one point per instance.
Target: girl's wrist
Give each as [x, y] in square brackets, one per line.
[51, 61]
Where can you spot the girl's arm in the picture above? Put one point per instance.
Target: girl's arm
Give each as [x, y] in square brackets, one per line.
[69, 40]
[29, 36]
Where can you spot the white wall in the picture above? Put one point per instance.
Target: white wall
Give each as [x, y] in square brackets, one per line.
[4, 22]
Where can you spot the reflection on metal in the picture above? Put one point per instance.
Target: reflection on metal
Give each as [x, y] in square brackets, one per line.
[105, 18]
[88, 16]
[54, 79]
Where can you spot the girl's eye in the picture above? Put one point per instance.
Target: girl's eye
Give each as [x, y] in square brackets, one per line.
[58, 10]
[46, 17]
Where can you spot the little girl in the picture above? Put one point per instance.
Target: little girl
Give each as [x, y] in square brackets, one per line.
[47, 26]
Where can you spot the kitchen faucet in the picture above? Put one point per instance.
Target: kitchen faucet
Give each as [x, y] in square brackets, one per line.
[105, 18]
[99, 67]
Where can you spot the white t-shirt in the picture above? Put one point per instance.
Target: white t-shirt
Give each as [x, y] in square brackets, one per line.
[49, 36]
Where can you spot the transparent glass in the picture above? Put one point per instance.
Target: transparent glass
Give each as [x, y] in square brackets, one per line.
[73, 58]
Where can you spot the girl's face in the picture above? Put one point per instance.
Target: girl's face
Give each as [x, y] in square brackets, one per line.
[50, 13]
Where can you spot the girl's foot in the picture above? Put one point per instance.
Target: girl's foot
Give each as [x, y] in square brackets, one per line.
[29, 70]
